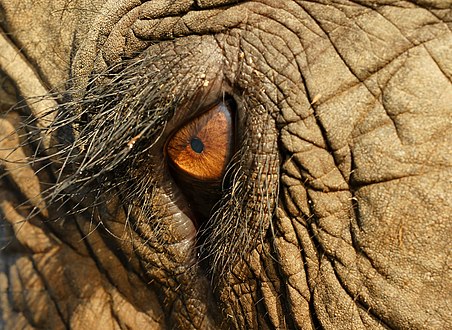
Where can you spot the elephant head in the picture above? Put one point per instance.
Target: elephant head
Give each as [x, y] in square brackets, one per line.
[225, 164]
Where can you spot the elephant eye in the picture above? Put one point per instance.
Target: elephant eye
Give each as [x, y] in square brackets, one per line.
[202, 148]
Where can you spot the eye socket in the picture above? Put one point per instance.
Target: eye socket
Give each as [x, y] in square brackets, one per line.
[202, 148]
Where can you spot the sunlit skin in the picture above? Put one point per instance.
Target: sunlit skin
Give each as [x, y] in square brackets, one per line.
[225, 164]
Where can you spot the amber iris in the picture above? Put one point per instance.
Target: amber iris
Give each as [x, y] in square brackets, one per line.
[202, 148]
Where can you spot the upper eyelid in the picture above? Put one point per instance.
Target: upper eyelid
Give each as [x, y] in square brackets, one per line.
[148, 93]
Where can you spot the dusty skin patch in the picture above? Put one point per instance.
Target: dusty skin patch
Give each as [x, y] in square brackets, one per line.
[338, 215]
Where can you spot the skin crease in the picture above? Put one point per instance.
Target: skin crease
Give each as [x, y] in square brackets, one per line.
[335, 209]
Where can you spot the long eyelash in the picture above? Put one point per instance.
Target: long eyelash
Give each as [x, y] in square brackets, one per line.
[132, 101]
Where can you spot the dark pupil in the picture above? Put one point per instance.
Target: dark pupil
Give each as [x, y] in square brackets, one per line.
[197, 145]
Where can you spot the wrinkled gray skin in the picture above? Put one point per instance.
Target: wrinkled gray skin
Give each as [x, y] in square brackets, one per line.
[337, 211]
